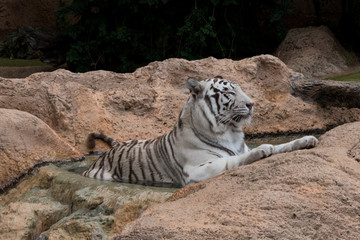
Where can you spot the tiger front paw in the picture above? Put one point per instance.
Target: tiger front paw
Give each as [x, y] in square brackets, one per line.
[308, 142]
[265, 150]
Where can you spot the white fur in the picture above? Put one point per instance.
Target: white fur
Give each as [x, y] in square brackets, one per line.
[201, 164]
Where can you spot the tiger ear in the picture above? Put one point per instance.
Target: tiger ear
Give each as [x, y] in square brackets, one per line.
[194, 86]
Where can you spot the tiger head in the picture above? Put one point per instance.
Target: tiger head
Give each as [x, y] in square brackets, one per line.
[219, 103]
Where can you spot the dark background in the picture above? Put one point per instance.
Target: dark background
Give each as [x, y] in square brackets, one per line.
[122, 35]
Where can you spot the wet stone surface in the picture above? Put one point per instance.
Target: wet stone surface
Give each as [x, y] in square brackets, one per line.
[56, 202]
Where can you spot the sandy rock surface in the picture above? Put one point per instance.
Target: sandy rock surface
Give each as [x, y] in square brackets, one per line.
[146, 103]
[314, 52]
[307, 194]
[25, 141]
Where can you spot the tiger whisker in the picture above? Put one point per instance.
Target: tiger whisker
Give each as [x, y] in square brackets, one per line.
[226, 119]
[235, 115]
[243, 111]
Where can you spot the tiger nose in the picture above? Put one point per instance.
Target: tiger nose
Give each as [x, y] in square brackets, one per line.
[249, 105]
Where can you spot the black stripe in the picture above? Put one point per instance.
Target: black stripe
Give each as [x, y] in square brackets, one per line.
[208, 102]
[163, 158]
[232, 104]
[171, 139]
[175, 130]
[144, 162]
[177, 175]
[110, 158]
[100, 166]
[158, 154]
[216, 97]
[141, 166]
[129, 159]
[150, 169]
[115, 174]
[178, 167]
[146, 143]
[132, 171]
[215, 154]
[102, 173]
[120, 158]
[148, 152]
[212, 144]
[92, 167]
[216, 90]
[122, 149]
[100, 163]
[180, 121]
[167, 160]
[206, 117]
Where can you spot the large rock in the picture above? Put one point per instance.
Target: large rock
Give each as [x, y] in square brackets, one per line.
[146, 103]
[315, 52]
[329, 93]
[307, 194]
[61, 204]
[25, 141]
[23, 220]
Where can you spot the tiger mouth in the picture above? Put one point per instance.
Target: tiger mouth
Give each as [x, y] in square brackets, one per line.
[235, 117]
[238, 117]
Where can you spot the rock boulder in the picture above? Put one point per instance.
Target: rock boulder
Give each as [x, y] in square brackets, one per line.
[60, 204]
[315, 52]
[25, 141]
[328, 93]
[307, 194]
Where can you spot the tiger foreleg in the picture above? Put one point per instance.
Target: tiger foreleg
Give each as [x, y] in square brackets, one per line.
[297, 144]
[217, 166]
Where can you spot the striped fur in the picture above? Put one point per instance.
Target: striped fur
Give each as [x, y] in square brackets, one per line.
[90, 141]
[206, 140]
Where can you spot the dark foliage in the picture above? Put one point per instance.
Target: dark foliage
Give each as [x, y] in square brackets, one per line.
[121, 35]
[35, 42]
[18, 44]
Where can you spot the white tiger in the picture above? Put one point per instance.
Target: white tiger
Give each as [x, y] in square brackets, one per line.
[206, 141]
